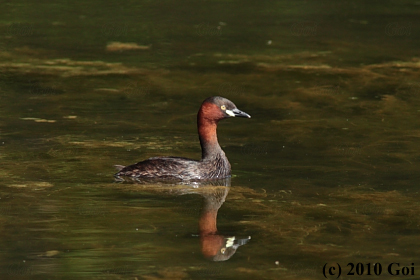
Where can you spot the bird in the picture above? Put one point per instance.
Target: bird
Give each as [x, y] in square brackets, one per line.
[213, 163]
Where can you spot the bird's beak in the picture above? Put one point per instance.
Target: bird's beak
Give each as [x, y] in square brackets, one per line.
[237, 113]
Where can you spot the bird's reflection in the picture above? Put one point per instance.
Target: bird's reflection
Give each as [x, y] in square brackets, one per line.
[214, 246]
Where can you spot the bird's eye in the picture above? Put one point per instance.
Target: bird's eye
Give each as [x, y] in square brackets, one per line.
[223, 250]
[223, 107]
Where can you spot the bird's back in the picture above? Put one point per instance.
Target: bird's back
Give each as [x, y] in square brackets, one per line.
[177, 168]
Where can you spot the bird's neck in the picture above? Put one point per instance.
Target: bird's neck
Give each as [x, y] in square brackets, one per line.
[207, 131]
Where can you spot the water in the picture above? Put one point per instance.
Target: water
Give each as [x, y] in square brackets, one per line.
[325, 172]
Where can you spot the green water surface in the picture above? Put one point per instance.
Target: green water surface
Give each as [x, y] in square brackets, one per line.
[325, 172]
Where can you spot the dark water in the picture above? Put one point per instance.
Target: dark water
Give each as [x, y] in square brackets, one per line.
[325, 172]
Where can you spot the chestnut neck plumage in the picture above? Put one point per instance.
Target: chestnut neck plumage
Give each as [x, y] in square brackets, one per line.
[207, 131]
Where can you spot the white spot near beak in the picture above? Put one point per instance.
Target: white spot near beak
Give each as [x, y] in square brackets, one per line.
[230, 113]
[230, 241]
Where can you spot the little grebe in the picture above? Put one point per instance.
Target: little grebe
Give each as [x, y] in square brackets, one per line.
[213, 164]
